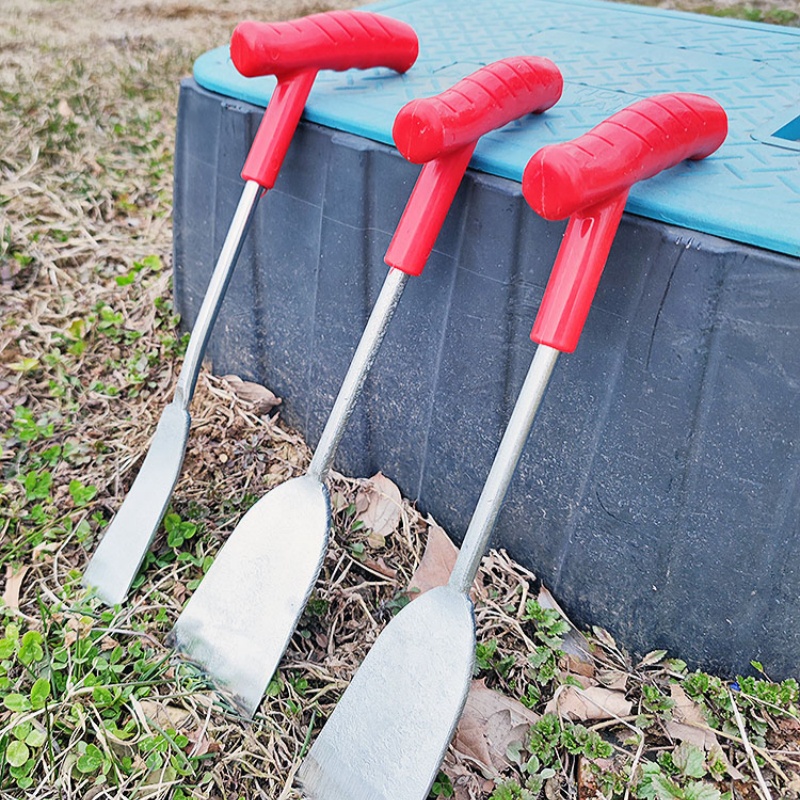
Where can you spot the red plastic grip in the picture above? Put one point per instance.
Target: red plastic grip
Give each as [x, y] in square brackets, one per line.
[442, 132]
[481, 102]
[337, 40]
[633, 144]
[589, 178]
[295, 52]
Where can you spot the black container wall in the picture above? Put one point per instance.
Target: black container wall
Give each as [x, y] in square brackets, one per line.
[658, 495]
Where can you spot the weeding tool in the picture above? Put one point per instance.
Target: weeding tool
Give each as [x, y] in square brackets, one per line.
[294, 52]
[238, 622]
[389, 732]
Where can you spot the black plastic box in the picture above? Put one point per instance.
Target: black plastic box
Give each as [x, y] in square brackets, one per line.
[658, 495]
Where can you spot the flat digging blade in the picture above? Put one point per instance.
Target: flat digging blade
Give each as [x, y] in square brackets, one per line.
[238, 622]
[388, 734]
[241, 617]
[401, 707]
[125, 543]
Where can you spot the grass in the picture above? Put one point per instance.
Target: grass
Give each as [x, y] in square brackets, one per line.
[781, 13]
[773, 16]
[91, 705]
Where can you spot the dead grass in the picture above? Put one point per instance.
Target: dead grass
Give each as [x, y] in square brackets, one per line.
[89, 93]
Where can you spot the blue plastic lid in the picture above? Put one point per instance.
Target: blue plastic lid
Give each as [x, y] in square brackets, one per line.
[610, 55]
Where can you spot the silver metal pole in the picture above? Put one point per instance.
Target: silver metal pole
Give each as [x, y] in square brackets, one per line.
[363, 359]
[503, 466]
[215, 292]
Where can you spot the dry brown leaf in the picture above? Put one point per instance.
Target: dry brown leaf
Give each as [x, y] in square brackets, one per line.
[575, 643]
[616, 679]
[789, 726]
[688, 724]
[582, 671]
[490, 723]
[553, 787]
[361, 503]
[594, 703]
[263, 399]
[436, 563]
[380, 566]
[379, 506]
[467, 785]
[179, 591]
[376, 541]
[604, 637]
[653, 657]
[163, 714]
[14, 585]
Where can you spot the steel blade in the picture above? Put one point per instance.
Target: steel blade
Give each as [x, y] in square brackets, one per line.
[389, 732]
[119, 555]
[238, 622]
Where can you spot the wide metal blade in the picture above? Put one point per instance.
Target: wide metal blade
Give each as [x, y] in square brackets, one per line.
[238, 622]
[119, 555]
[388, 734]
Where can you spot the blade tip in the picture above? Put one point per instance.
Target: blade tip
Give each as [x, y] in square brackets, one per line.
[244, 705]
[105, 596]
[324, 776]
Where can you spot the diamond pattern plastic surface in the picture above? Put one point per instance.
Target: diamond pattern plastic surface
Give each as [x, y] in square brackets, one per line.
[610, 56]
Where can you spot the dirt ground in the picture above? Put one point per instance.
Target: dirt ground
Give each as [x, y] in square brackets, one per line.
[88, 94]
[727, 5]
[202, 24]
[196, 23]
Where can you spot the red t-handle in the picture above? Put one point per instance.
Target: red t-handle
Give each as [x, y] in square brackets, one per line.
[294, 52]
[441, 132]
[589, 179]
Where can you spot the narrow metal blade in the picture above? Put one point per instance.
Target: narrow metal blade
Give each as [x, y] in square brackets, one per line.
[119, 555]
[238, 622]
[389, 732]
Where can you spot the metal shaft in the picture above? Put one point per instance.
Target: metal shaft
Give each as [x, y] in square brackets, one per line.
[503, 466]
[363, 359]
[215, 292]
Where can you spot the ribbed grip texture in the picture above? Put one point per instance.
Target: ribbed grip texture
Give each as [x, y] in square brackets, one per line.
[488, 99]
[588, 179]
[633, 144]
[442, 132]
[336, 40]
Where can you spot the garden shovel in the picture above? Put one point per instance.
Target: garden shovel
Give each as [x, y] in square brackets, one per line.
[238, 622]
[294, 52]
[388, 734]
